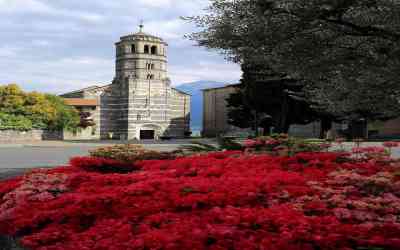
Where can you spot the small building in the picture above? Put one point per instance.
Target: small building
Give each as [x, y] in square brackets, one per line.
[88, 103]
[140, 103]
[215, 112]
[215, 121]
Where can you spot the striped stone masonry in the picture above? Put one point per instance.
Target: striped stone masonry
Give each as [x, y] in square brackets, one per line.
[140, 103]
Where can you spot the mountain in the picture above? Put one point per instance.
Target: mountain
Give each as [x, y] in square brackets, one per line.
[195, 89]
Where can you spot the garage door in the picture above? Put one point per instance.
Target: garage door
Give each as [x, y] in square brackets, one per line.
[146, 134]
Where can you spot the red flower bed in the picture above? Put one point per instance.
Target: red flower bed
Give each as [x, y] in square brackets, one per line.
[103, 165]
[218, 201]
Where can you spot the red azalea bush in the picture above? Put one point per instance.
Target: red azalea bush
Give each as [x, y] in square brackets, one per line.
[282, 144]
[117, 158]
[103, 165]
[224, 200]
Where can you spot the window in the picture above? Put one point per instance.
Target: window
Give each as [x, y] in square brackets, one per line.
[150, 77]
[146, 49]
[153, 50]
[139, 117]
[152, 66]
[133, 48]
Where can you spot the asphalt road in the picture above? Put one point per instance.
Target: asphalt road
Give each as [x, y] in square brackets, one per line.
[16, 159]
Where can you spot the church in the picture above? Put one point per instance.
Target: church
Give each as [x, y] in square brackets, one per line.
[140, 103]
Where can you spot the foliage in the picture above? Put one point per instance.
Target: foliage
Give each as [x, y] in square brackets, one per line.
[223, 144]
[282, 144]
[103, 165]
[225, 200]
[65, 117]
[198, 147]
[129, 153]
[13, 122]
[347, 53]
[23, 111]
[266, 99]
[228, 143]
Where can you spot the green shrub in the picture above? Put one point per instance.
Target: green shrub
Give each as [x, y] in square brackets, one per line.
[14, 122]
[129, 153]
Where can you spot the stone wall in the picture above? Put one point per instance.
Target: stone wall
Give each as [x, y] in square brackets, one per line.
[12, 136]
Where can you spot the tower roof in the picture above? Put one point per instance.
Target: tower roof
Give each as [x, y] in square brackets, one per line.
[142, 36]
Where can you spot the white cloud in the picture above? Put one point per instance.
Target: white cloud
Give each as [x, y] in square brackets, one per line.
[41, 43]
[23, 6]
[7, 52]
[155, 3]
[62, 45]
[221, 72]
[59, 76]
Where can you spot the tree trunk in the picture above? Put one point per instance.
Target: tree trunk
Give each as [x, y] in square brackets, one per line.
[266, 130]
[283, 124]
[358, 129]
[256, 123]
[326, 125]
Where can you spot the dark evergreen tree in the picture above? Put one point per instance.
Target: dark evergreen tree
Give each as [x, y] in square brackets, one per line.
[345, 52]
[266, 99]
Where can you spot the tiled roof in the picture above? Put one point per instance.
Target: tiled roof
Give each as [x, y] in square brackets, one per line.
[81, 102]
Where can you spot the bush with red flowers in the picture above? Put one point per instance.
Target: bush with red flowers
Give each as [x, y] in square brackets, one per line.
[223, 200]
[117, 159]
[282, 144]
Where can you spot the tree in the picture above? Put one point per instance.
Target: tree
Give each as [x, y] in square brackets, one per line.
[23, 111]
[266, 99]
[63, 116]
[346, 52]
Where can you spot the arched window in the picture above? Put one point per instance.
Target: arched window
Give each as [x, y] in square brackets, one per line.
[133, 48]
[152, 66]
[153, 50]
[146, 49]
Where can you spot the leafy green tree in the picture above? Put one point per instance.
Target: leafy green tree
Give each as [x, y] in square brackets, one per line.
[14, 122]
[12, 99]
[345, 52]
[64, 116]
[24, 111]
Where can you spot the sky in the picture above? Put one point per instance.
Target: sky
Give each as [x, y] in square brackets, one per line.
[61, 45]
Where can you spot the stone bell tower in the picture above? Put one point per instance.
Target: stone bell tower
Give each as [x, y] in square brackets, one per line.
[141, 56]
[140, 103]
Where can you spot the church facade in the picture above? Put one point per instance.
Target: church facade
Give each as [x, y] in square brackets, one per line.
[140, 103]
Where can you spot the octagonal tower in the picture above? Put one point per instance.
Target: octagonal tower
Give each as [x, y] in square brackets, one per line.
[141, 56]
[140, 103]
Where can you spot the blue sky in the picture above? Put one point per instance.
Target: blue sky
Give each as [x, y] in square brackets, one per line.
[61, 45]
